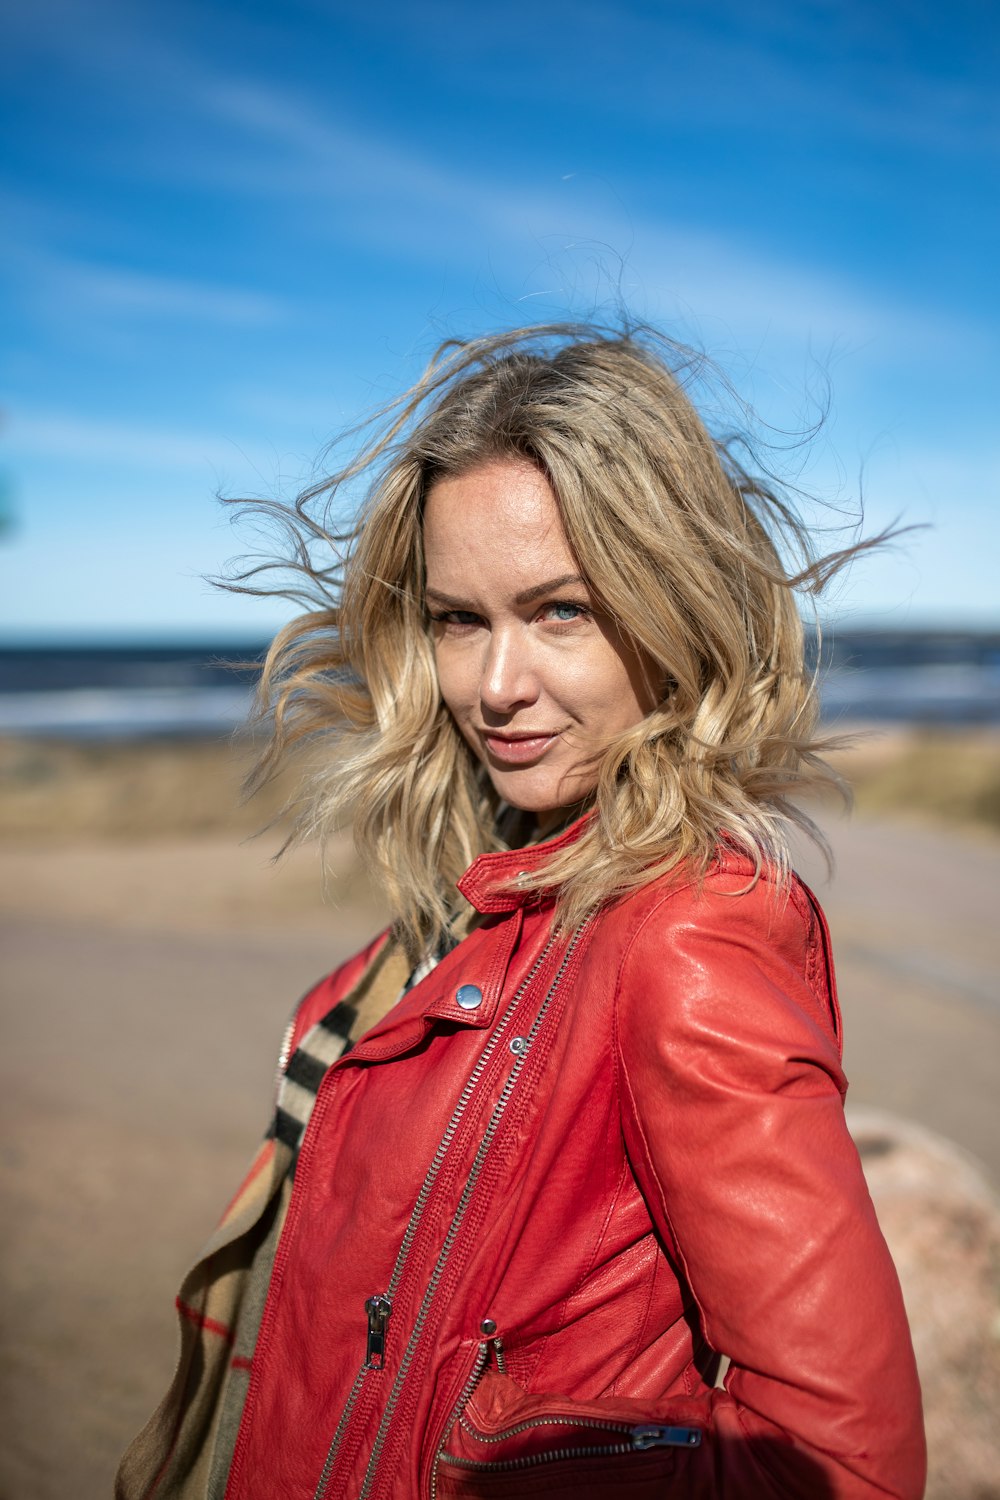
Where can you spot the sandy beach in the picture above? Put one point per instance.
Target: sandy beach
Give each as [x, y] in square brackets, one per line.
[148, 975]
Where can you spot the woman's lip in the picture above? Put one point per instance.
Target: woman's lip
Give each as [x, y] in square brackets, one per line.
[517, 749]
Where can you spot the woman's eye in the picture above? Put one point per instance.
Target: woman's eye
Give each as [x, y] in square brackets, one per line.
[455, 617]
[564, 611]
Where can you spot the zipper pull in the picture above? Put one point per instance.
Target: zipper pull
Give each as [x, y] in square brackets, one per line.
[666, 1437]
[378, 1309]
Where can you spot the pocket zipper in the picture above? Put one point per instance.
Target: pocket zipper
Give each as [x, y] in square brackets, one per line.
[640, 1438]
[643, 1435]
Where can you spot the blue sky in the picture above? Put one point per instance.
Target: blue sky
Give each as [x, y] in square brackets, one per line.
[230, 229]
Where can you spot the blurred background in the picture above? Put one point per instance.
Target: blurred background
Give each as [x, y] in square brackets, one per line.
[229, 231]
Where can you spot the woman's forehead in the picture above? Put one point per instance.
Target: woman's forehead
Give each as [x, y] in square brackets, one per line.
[502, 516]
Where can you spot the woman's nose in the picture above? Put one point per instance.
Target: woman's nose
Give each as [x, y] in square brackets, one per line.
[509, 678]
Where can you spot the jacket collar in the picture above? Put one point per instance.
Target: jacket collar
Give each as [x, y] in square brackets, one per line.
[490, 884]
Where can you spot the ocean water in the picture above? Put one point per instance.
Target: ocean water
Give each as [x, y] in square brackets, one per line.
[921, 676]
[126, 692]
[139, 692]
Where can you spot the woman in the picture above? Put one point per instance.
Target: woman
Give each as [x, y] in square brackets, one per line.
[573, 1132]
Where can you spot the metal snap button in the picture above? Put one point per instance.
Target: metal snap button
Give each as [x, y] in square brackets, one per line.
[519, 1045]
[469, 996]
[488, 1327]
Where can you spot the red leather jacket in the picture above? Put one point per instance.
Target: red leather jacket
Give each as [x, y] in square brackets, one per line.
[627, 1155]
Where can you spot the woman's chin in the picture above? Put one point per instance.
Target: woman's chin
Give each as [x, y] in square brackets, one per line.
[549, 806]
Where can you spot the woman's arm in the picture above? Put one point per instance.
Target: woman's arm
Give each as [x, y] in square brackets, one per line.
[734, 1122]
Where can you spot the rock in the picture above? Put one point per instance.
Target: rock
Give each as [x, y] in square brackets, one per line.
[941, 1219]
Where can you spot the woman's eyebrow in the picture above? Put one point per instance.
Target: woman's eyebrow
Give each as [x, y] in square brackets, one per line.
[530, 595]
[527, 597]
[448, 599]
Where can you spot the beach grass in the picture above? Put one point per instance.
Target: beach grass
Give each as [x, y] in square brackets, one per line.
[62, 791]
[946, 775]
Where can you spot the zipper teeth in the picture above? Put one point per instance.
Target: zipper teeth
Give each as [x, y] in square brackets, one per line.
[602, 1424]
[420, 1205]
[533, 1460]
[345, 1417]
[456, 1120]
[435, 1278]
[460, 1404]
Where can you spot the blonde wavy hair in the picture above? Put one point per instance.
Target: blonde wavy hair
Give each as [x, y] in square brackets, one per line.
[699, 563]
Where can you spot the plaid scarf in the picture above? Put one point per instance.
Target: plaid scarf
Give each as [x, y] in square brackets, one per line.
[333, 1036]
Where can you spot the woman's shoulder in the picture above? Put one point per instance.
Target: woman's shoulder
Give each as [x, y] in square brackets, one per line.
[733, 888]
[694, 937]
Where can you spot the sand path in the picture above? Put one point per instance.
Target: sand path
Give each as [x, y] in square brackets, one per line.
[915, 917]
[144, 991]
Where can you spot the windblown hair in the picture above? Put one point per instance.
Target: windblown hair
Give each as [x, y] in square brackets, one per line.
[698, 563]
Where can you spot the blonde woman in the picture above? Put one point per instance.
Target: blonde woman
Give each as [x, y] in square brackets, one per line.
[571, 1132]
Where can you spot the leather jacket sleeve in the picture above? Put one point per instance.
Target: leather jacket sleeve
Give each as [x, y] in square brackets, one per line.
[732, 1088]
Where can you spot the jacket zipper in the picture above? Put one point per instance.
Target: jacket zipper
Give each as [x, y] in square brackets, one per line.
[375, 1356]
[641, 1436]
[499, 1109]
[640, 1440]
[482, 1357]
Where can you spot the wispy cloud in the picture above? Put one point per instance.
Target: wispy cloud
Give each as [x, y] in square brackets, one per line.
[62, 435]
[67, 284]
[758, 294]
[118, 289]
[314, 154]
[913, 76]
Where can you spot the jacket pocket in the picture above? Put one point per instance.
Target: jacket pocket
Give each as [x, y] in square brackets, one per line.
[506, 1442]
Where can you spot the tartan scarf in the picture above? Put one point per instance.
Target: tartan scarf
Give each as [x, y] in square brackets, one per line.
[333, 1035]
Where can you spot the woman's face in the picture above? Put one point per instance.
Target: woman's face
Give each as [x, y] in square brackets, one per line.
[536, 675]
